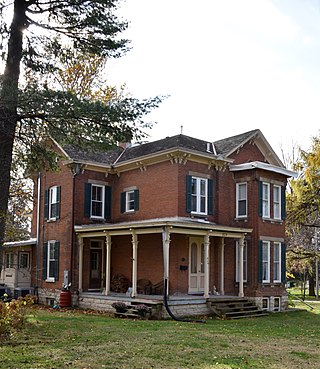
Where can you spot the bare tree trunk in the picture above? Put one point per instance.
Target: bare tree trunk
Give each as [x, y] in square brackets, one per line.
[8, 109]
[311, 285]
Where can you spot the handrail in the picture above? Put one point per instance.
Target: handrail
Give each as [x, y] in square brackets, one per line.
[300, 299]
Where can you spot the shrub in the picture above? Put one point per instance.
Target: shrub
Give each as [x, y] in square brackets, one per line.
[13, 314]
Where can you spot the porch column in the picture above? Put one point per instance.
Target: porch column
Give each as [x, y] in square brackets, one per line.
[166, 246]
[134, 263]
[206, 265]
[80, 239]
[108, 263]
[222, 267]
[241, 248]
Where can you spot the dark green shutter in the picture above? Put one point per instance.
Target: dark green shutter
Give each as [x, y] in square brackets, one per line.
[46, 204]
[136, 200]
[44, 260]
[210, 196]
[58, 202]
[188, 193]
[123, 202]
[107, 203]
[283, 203]
[260, 261]
[260, 199]
[283, 262]
[87, 200]
[56, 260]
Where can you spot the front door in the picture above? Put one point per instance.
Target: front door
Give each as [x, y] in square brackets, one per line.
[95, 268]
[196, 267]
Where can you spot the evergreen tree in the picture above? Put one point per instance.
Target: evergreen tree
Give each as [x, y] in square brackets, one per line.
[41, 31]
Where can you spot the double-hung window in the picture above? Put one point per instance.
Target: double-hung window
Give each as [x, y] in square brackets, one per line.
[276, 202]
[199, 202]
[24, 260]
[265, 200]
[199, 195]
[129, 201]
[50, 261]
[241, 205]
[277, 262]
[52, 203]
[265, 262]
[9, 260]
[245, 258]
[97, 201]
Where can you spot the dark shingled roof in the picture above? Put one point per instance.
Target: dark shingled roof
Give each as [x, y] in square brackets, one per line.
[179, 141]
[108, 157]
[228, 145]
[223, 147]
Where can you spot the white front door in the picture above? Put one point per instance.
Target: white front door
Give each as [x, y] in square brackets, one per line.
[196, 265]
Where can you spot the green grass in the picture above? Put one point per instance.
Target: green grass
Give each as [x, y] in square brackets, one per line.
[55, 339]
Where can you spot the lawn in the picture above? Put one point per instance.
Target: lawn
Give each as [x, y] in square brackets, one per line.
[71, 339]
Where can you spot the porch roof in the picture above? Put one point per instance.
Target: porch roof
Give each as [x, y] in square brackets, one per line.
[190, 226]
[29, 242]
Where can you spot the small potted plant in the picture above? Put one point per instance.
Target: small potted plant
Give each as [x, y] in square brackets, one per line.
[120, 306]
[143, 309]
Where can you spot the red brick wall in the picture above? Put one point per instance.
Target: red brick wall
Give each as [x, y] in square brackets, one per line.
[61, 229]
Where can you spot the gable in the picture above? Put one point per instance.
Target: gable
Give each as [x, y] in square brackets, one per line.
[247, 153]
[232, 146]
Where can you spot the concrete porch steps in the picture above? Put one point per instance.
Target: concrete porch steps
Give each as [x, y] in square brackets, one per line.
[133, 312]
[235, 308]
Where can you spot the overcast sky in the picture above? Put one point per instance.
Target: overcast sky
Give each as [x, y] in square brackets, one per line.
[229, 66]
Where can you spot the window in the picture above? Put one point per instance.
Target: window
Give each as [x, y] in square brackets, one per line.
[241, 206]
[50, 265]
[277, 202]
[199, 199]
[265, 304]
[52, 203]
[276, 304]
[129, 201]
[97, 201]
[24, 260]
[266, 200]
[265, 262]
[244, 261]
[9, 260]
[277, 262]
[199, 196]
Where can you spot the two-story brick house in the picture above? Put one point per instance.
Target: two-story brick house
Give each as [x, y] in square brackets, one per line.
[207, 217]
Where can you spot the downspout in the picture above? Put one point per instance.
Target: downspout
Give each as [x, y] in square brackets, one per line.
[165, 235]
[75, 171]
[38, 232]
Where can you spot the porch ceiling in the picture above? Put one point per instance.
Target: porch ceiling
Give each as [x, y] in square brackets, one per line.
[179, 225]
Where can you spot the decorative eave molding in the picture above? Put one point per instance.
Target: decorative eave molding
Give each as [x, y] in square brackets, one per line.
[263, 166]
[175, 225]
